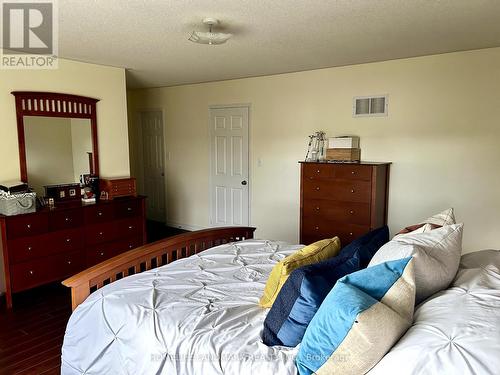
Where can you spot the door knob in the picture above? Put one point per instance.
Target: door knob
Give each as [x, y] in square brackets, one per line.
[243, 182]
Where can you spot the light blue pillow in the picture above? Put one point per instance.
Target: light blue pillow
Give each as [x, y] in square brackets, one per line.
[361, 318]
[306, 288]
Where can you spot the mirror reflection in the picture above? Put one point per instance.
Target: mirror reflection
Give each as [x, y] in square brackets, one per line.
[57, 150]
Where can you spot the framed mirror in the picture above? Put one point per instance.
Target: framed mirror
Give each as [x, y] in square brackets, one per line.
[57, 138]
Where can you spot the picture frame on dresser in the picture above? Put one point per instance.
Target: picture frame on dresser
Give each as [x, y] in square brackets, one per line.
[57, 241]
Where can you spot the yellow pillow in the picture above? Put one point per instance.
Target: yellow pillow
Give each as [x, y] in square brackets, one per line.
[314, 253]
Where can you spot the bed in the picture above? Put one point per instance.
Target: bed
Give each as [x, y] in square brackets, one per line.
[200, 314]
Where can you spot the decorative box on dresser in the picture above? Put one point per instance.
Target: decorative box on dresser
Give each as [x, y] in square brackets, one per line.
[340, 199]
[52, 244]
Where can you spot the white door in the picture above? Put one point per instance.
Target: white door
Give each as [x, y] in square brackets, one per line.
[153, 164]
[229, 184]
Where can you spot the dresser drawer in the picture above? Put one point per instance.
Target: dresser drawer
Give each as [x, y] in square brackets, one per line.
[344, 212]
[315, 230]
[353, 172]
[67, 240]
[101, 233]
[100, 253]
[129, 227]
[118, 187]
[27, 225]
[56, 267]
[313, 171]
[122, 191]
[65, 219]
[339, 190]
[26, 248]
[98, 214]
[127, 186]
[127, 208]
[128, 244]
[34, 247]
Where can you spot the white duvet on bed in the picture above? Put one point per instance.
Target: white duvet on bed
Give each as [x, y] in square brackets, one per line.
[200, 315]
[456, 331]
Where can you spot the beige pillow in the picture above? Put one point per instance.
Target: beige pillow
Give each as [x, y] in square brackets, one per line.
[436, 254]
[447, 217]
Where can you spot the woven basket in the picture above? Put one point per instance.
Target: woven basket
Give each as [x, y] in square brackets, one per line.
[15, 204]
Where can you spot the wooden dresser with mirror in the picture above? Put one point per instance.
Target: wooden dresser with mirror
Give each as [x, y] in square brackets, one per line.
[57, 143]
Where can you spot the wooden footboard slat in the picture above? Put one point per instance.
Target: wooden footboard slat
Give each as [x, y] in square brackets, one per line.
[141, 259]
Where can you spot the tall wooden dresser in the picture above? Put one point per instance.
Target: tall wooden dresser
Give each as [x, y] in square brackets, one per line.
[344, 200]
[50, 245]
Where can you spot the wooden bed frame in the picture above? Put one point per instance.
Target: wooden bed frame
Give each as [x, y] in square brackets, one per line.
[150, 256]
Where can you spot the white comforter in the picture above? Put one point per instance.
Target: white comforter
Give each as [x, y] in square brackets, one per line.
[200, 316]
[456, 331]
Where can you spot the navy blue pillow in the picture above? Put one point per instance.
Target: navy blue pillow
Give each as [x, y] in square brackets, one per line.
[366, 246]
[307, 287]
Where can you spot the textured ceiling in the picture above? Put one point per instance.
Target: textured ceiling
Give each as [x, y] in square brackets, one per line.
[149, 37]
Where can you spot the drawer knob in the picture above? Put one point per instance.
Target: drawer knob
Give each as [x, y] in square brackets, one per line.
[317, 188]
[99, 213]
[317, 228]
[350, 234]
[69, 262]
[318, 171]
[67, 219]
[130, 246]
[130, 227]
[101, 253]
[28, 226]
[351, 212]
[30, 248]
[101, 233]
[31, 272]
[317, 208]
[353, 173]
[129, 209]
[352, 190]
[68, 239]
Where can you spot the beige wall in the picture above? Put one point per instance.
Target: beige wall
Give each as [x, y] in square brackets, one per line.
[49, 151]
[442, 134]
[81, 140]
[56, 150]
[102, 82]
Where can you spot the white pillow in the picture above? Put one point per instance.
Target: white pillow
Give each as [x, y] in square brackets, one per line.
[441, 219]
[436, 253]
[447, 217]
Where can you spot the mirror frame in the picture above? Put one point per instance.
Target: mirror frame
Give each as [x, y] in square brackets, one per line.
[50, 104]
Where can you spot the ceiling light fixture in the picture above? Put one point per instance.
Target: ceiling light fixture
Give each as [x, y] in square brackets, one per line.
[209, 37]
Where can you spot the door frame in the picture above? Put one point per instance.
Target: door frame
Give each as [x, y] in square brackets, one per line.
[140, 151]
[210, 149]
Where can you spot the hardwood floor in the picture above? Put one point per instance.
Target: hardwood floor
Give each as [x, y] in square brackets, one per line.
[31, 334]
[157, 231]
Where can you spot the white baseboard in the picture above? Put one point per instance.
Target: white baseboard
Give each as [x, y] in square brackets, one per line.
[184, 226]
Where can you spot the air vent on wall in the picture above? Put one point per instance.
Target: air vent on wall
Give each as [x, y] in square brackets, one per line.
[369, 106]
